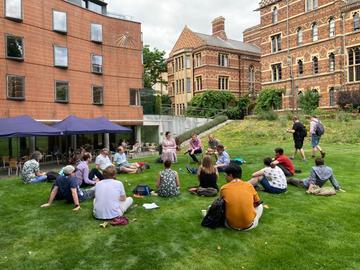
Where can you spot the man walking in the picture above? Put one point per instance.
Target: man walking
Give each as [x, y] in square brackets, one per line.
[299, 133]
[316, 131]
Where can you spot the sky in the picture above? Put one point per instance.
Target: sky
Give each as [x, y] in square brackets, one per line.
[163, 20]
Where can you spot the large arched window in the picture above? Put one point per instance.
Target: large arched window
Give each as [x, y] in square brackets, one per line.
[331, 62]
[354, 64]
[275, 15]
[332, 96]
[252, 80]
[331, 27]
[356, 22]
[300, 67]
[314, 32]
[315, 65]
[299, 36]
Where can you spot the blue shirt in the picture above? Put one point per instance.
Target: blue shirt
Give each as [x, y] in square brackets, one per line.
[223, 158]
[65, 184]
[120, 158]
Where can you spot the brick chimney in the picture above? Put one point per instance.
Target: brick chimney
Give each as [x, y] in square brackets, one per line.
[218, 28]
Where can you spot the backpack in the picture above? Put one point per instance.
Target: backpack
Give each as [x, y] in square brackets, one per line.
[303, 131]
[119, 221]
[207, 192]
[215, 216]
[238, 161]
[142, 189]
[319, 129]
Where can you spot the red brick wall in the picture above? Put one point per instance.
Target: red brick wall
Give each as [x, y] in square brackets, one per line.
[122, 67]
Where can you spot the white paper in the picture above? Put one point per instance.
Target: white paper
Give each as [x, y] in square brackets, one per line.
[149, 206]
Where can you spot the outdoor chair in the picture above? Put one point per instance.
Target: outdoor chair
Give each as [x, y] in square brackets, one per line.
[5, 160]
[13, 165]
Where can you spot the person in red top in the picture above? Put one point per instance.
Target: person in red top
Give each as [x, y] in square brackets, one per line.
[283, 162]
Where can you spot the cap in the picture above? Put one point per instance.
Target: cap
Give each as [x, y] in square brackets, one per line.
[68, 169]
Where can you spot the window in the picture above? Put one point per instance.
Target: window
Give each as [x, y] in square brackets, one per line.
[183, 86]
[59, 21]
[356, 22]
[96, 32]
[311, 4]
[188, 85]
[315, 65]
[188, 61]
[314, 32]
[198, 60]
[98, 95]
[94, 7]
[354, 64]
[276, 43]
[276, 72]
[15, 87]
[96, 64]
[223, 83]
[331, 62]
[251, 79]
[134, 97]
[275, 15]
[60, 57]
[14, 47]
[300, 67]
[315, 4]
[61, 91]
[223, 60]
[332, 97]
[331, 27]
[13, 9]
[198, 84]
[172, 92]
[299, 36]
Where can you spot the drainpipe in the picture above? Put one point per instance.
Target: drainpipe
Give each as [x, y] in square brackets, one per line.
[343, 16]
[289, 58]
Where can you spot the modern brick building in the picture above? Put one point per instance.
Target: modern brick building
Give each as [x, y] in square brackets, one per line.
[308, 45]
[200, 62]
[69, 57]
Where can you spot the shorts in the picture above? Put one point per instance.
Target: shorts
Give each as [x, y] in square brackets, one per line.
[299, 143]
[270, 189]
[315, 139]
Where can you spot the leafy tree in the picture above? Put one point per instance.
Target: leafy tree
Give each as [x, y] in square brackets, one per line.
[349, 100]
[309, 101]
[154, 65]
[269, 99]
[240, 110]
[165, 100]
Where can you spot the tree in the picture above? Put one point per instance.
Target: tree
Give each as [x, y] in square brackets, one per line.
[309, 101]
[154, 65]
[269, 99]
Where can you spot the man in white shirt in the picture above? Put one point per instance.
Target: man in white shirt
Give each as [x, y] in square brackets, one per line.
[102, 161]
[121, 163]
[110, 198]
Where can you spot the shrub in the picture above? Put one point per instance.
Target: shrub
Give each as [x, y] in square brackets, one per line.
[349, 100]
[309, 101]
[269, 99]
[267, 115]
[187, 135]
[240, 110]
[343, 117]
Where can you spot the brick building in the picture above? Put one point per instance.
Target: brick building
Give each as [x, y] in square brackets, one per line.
[308, 45]
[200, 62]
[69, 57]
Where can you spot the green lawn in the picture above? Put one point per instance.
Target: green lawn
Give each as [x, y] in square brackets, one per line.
[298, 231]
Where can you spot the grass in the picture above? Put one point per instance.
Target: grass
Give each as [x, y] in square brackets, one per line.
[298, 231]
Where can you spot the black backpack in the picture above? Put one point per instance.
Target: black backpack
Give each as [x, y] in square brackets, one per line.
[303, 131]
[215, 216]
[319, 129]
[142, 189]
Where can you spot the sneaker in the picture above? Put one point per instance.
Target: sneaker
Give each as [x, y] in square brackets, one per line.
[292, 158]
[322, 154]
[188, 168]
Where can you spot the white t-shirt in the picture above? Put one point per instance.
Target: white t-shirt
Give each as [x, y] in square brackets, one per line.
[107, 199]
[276, 177]
[103, 162]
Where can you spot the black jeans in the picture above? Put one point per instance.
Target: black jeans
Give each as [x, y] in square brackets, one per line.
[286, 171]
[95, 172]
[193, 156]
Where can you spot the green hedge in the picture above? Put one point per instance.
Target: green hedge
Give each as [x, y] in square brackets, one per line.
[187, 135]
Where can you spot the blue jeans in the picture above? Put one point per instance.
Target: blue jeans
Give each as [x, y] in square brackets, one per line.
[38, 179]
[270, 189]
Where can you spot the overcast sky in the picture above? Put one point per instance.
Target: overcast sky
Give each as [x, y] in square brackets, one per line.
[163, 20]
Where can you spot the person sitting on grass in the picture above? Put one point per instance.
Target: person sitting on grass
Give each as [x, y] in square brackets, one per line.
[168, 183]
[82, 172]
[122, 165]
[194, 147]
[67, 188]
[207, 175]
[102, 161]
[30, 172]
[319, 175]
[243, 207]
[271, 178]
[283, 162]
[223, 158]
[110, 198]
[212, 144]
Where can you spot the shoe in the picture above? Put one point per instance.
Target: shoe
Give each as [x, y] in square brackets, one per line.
[297, 171]
[313, 156]
[322, 154]
[188, 168]
[292, 158]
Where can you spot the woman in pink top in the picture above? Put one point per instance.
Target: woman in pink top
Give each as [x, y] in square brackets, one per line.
[168, 148]
[194, 147]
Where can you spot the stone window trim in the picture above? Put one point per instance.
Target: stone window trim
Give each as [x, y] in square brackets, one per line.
[276, 43]
[314, 32]
[332, 27]
[332, 61]
[223, 59]
[276, 72]
[275, 14]
[60, 31]
[315, 64]
[223, 82]
[198, 83]
[101, 101]
[55, 91]
[300, 67]
[197, 60]
[13, 18]
[356, 21]
[20, 59]
[299, 36]
[311, 5]
[10, 76]
[332, 96]
[353, 64]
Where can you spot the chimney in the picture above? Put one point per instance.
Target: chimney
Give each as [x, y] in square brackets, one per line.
[218, 28]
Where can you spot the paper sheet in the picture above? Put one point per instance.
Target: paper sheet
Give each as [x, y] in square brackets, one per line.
[149, 206]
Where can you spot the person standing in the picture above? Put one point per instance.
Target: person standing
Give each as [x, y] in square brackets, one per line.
[299, 133]
[315, 136]
[168, 148]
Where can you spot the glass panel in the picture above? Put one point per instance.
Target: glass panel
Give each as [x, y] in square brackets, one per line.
[96, 32]
[331, 97]
[356, 22]
[15, 47]
[357, 73]
[351, 57]
[97, 61]
[15, 87]
[351, 74]
[97, 94]
[62, 89]
[300, 37]
[315, 32]
[59, 21]
[13, 9]
[357, 56]
[133, 97]
[315, 4]
[60, 56]
[94, 7]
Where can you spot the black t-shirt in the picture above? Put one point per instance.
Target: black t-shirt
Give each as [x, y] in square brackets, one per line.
[208, 180]
[65, 184]
[298, 127]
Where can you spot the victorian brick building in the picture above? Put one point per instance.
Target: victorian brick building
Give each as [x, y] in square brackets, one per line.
[308, 45]
[69, 57]
[200, 62]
